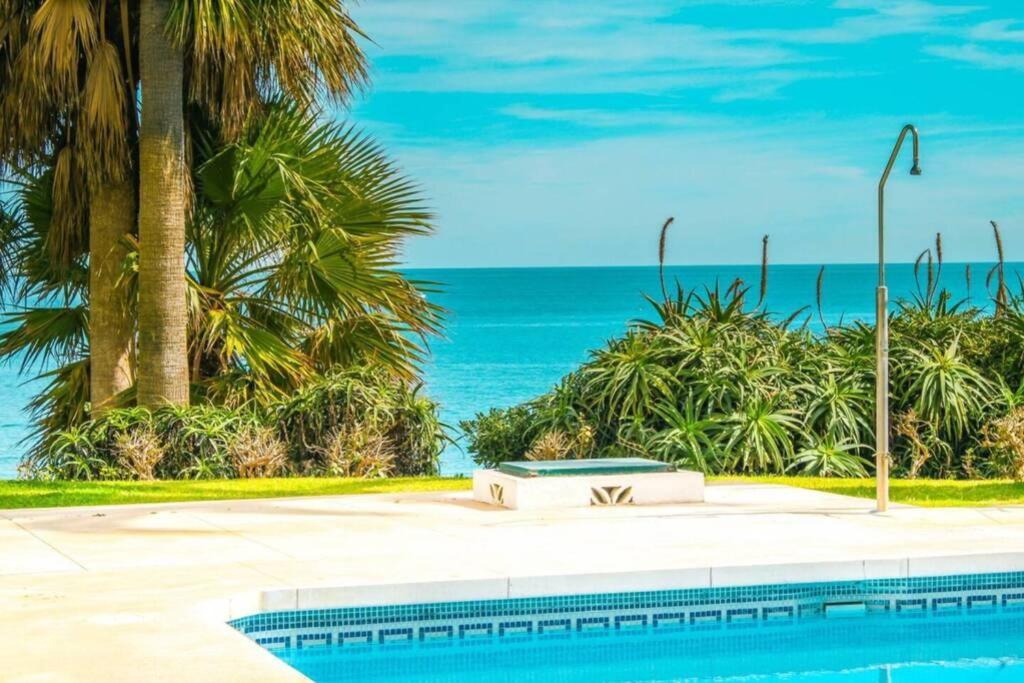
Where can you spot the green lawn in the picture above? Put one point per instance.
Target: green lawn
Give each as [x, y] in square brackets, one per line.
[33, 494]
[928, 493]
[29, 494]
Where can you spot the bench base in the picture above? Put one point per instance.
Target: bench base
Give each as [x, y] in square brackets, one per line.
[531, 493]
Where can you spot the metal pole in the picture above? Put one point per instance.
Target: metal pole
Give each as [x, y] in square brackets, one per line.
[882, 399]
[882, 334]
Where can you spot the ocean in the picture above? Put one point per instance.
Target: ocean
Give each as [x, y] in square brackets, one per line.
[513, 332]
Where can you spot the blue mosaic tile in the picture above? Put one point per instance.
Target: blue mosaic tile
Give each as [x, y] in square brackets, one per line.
[392, 635]
[630, 621]
[554, 626]
[312, 640]
[917, 605]
[476, 630]
[592, 624]
[515, 628]
[741, 615]
[355, 638]
[436, 632]
[982, 602]
[784, 612]
[699, 609]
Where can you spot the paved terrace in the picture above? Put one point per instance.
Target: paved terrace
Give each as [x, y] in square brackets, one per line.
[141, 593]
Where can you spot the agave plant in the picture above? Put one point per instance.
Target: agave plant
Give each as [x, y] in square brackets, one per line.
[759, 437]
[839, 408]
[944, 389]
[829, 458]
[716, 385]
[629, 376]
[688, 436]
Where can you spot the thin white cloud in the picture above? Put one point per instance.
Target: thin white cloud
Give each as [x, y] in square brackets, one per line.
[1001, 30]
[601, 201]
[618, 46]
[603, 118]
[976, 55]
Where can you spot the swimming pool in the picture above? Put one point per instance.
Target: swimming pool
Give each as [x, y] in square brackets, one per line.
[954, 628]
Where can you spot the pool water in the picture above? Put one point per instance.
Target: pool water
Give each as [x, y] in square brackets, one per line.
[877, 648]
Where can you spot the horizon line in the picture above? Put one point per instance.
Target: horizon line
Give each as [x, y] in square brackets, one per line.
[754, 264]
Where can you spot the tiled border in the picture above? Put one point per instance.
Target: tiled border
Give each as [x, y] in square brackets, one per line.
[694, 608]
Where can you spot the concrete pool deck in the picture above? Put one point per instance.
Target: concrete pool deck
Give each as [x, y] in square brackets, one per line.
[141, 593]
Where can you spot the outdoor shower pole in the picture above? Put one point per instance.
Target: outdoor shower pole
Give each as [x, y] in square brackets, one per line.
[882, 332]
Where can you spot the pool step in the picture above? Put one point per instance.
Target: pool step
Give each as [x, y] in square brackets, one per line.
[845, 610]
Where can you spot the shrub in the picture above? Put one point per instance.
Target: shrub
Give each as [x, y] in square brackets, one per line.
[359, 451]
[501, 434]
[550, 446]
[363, 401]
[354, 423]
[257, 452]
[1004, 437]
[139, 452]
[715, 386]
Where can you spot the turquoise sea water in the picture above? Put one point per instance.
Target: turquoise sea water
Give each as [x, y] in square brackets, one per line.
[512, 333]
[882, 649]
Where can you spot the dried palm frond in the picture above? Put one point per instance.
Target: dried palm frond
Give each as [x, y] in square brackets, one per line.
[66, 236]
[61, 31]
[103, 132]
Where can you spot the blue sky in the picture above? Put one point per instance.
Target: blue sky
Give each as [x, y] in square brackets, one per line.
[563, 132]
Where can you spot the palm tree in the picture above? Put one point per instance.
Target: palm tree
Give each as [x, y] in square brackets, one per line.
[291, 242]
[67, 103]
[291, 254]
[163, 316]
[65, 79]
[239, 52]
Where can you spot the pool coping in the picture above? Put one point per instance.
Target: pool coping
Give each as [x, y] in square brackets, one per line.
[125, 589]
[535, 586]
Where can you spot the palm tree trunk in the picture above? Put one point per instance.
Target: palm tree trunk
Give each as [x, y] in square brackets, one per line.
[163, 316]
[111, 336]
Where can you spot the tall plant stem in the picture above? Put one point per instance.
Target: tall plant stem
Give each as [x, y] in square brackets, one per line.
[1002, 298]
[661, 257]
[763, 291]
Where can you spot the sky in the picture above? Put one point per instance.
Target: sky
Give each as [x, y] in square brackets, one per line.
[564, 132]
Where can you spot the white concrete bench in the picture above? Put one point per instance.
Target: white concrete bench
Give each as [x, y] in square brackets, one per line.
[582, 483]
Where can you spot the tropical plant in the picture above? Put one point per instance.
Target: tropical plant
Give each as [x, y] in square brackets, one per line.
[628, 375]
[70, 72]
[292, 242]
[1004, 437]
[945, 389]
[827, 458]
[689, 436]
[366, 423]
[549, 446]
[759, 437]
[713, 384]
